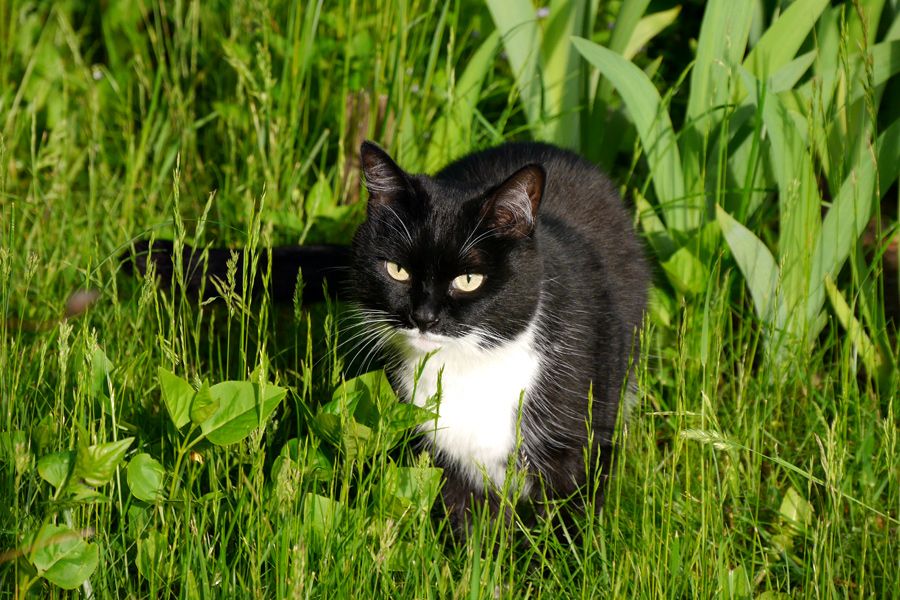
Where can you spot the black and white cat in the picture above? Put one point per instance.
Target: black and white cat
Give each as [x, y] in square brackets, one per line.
[510, 287]
[514, 275]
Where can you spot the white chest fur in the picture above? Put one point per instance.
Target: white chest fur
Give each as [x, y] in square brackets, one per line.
[479, 401]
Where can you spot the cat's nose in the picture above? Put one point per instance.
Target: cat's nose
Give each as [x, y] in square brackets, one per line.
[425, 318]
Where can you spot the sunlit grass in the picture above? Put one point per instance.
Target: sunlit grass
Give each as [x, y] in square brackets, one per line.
[750, 466]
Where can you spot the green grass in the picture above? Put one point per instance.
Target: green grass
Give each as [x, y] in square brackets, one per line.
[763, 459]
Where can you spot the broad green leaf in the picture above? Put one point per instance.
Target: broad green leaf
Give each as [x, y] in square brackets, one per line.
[308, 459]
[893, 32]
[145, 478]
[364, 410]
[152, 550]
[328, 427]
[346, 433]
[756, 264]
[661, 307]
[291, 450]
[356, 439]
[653, 227]
[860, 83]
[827, 67]
[15, 448]
[343, 402]
[100, 368]
[653, 126]
[243, 406]
[735, 583]
[746, 162]
[95, 465]
[781, 41]
[79, 492]
[55, 468]
[177, 395]
[367, 395]
[887, 149]
[203, 405]
[320, 514]
[885, 60]
[398, 418]
[788, 75]
[409, 135]
[685, 271]
[796, 510]
[318, 200]
[405, 488]
[62, 557]
[517, 24]
[871, 11]
[648, 28]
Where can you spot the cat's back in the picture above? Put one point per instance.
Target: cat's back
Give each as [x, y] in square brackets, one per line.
[576, 191]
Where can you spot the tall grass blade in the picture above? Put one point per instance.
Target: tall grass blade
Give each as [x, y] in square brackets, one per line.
[868, 352]
[798, 198]
[723, 38]
[453, 129]
[605, 140]
[783, 39]
[516, 22]
[848, 216]
[562, 74]
[653, 125]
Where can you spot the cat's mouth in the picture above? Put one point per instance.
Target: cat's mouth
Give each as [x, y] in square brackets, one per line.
[420, 341]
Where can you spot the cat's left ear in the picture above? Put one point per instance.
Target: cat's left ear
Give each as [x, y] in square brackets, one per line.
[511, 209]
[385, 181]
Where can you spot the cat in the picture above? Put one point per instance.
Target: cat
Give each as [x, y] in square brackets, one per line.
[512, 282]
[506, 292]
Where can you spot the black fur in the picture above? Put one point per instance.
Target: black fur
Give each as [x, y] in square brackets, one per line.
[319, 264]
[580, 257]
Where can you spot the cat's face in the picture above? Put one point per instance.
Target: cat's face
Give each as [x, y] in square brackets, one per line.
[440, 262]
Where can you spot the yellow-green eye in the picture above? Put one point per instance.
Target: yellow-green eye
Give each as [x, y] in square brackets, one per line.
[396, 271]
[468, 282]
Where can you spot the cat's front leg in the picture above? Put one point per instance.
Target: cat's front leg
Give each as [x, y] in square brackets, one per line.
[459, 496]
[464, 502]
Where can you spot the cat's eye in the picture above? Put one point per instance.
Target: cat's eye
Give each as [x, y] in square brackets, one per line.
[396, 272]
[468, 282]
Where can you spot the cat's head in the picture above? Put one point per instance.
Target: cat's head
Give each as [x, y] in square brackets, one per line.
[440, 262]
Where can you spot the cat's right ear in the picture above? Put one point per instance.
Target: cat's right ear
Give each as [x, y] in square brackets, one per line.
[511, 209]
[385, 181]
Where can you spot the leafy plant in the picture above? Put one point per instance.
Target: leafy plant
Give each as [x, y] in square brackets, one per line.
[733, 99]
